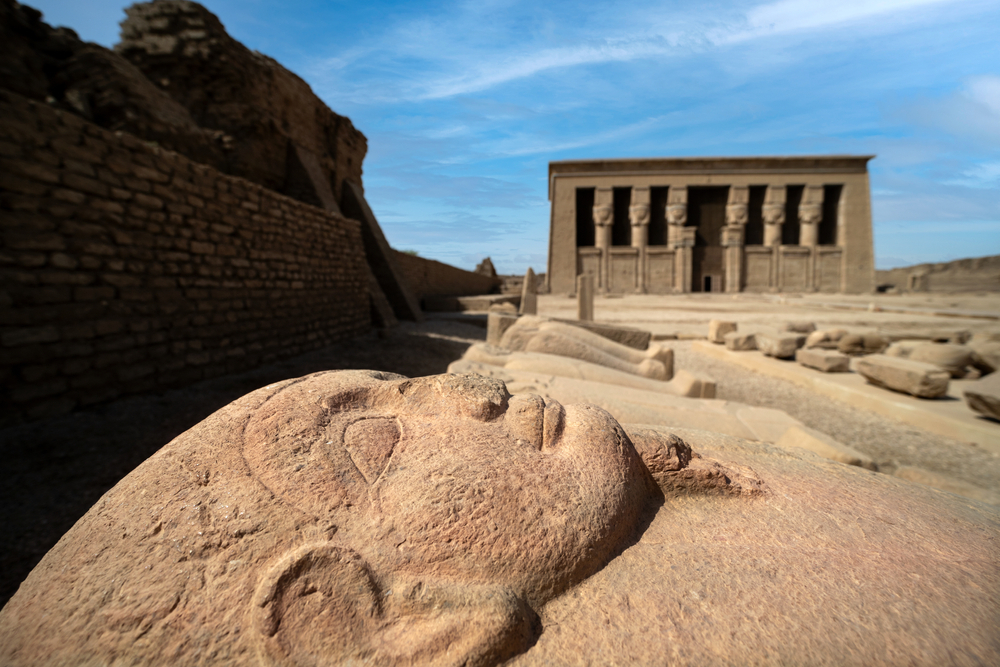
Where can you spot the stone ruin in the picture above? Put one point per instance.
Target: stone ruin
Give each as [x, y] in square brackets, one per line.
[564, 494]
[361, 516]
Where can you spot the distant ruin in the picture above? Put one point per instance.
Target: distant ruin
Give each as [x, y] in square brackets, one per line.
[670, 225]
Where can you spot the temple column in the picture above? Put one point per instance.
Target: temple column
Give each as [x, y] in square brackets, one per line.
[737, 214]
[604, 217]
[774, 217]
[638, 214]
[810, 215]
[679, 237]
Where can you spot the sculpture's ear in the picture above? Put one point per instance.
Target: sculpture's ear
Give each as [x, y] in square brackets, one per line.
[445, 623]
[319, 604]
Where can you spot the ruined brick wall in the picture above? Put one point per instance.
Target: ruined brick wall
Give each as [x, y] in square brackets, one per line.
[428, 277]
[279, 128]
[127, 268]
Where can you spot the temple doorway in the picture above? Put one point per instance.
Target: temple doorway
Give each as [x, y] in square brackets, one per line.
[707, 213]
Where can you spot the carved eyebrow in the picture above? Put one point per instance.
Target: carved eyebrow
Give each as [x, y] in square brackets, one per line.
[370, 442]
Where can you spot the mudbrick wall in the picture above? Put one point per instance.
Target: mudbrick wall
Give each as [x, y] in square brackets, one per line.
[427, 277]
[127, 268]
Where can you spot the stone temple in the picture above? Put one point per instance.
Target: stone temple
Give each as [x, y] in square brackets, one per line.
[747, 224]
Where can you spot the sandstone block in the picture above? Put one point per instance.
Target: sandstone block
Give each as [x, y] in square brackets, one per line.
[952, 358]
[717, 330]
[828, 361]
[855, 344]
[983, 396]
[986, 355]
[739, 342]
[798, 327]
[826, 339]
[781, 346]
[905, 375]
[823, 445]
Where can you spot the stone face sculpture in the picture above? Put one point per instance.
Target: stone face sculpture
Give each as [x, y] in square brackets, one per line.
[346, 517]
[535, 334]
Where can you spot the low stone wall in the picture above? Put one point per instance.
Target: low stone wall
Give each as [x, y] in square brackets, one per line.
[428, 277]
[126, 268]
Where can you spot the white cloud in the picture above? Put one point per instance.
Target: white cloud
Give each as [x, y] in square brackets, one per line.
[982, 175]
[795, 15]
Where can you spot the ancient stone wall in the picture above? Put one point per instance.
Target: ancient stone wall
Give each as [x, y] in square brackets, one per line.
[974, 274]
[283, 136]
[427, 277]
[127, 268]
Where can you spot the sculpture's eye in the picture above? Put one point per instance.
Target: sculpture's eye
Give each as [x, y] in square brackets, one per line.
[370, 443]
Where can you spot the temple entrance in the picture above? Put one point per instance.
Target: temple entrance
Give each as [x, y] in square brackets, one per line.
[707, 213]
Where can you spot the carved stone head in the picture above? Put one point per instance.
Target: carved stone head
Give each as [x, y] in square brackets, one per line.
[810, 214]
[774, 214]
[677, 214]
[604, 214]
[737, 214]
[639, 214]
[445, 493]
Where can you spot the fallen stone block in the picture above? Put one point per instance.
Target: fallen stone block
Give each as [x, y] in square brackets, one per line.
[947, 483]
[828, 361]
[904, 347]
[905, 375]
[952, 358]
[781, 346]
[823, 445]
[798, 327]
[717, 330]
[983, 396]
[634, 338]
[986, 355]
[826, 339]
[740, 342]
[958, 337]
[855, 344]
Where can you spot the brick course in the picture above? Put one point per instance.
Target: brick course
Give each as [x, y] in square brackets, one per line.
[125, 268]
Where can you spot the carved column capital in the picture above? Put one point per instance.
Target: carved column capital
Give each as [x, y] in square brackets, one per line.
[638, 214]
[604, 215]
[677, 214]
[737, 214]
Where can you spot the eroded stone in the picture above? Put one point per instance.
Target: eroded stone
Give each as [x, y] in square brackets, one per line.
[781, 346]
[828, 361]
[717, 330]
[911, 377]
[740, 342]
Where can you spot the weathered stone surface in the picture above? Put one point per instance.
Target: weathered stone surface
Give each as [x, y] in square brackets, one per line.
[857, 344]
[529, 294]
[904, 347]
[947, 483]
[361, 516]
[798, 327]
[497, 324]
[535, 334]
[910, 377]
[271, 116]
[983, 396]
[638, 339]
[682, 384]
[431, 517]
[827, 361]
[782, 346]
[833, 561]
[585, 297]
[987, 355]
[717, 330]
[948, 356]
[826, 339]
[823, 445]
[740, 341]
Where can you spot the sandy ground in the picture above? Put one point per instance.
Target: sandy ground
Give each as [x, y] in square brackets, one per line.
[55, 470]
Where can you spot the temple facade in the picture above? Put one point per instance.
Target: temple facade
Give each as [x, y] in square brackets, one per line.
[674, 225]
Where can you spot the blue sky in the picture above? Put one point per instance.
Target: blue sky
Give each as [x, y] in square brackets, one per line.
[465, 103]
